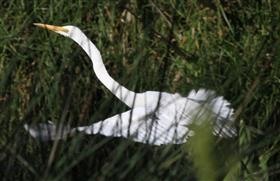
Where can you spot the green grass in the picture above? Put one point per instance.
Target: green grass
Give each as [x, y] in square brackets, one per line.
[174, 46]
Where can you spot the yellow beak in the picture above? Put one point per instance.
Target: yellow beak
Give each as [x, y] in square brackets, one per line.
[51, 27]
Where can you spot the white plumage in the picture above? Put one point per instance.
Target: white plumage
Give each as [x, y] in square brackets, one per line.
[154, 118]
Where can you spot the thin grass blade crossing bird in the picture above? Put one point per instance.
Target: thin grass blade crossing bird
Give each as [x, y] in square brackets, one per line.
[155, 118]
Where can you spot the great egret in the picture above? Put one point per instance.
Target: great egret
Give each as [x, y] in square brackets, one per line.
[154, 117]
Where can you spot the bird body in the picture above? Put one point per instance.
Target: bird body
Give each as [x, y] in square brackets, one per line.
[154, 117]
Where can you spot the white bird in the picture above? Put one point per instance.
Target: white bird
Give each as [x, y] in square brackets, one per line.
[154, 117]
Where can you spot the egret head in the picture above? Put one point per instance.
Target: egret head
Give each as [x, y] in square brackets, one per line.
[72, 32]
[63, 30]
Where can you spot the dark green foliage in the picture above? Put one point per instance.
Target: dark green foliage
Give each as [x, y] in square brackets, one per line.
[231, 47]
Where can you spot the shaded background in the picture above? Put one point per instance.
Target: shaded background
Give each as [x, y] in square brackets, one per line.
[231, 47]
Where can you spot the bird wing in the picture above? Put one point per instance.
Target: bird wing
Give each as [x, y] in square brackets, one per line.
[139, 124]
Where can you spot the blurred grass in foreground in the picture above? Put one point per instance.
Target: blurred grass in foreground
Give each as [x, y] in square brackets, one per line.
[231, 47]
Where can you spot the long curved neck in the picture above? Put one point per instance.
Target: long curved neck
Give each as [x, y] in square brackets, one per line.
[122, 93]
